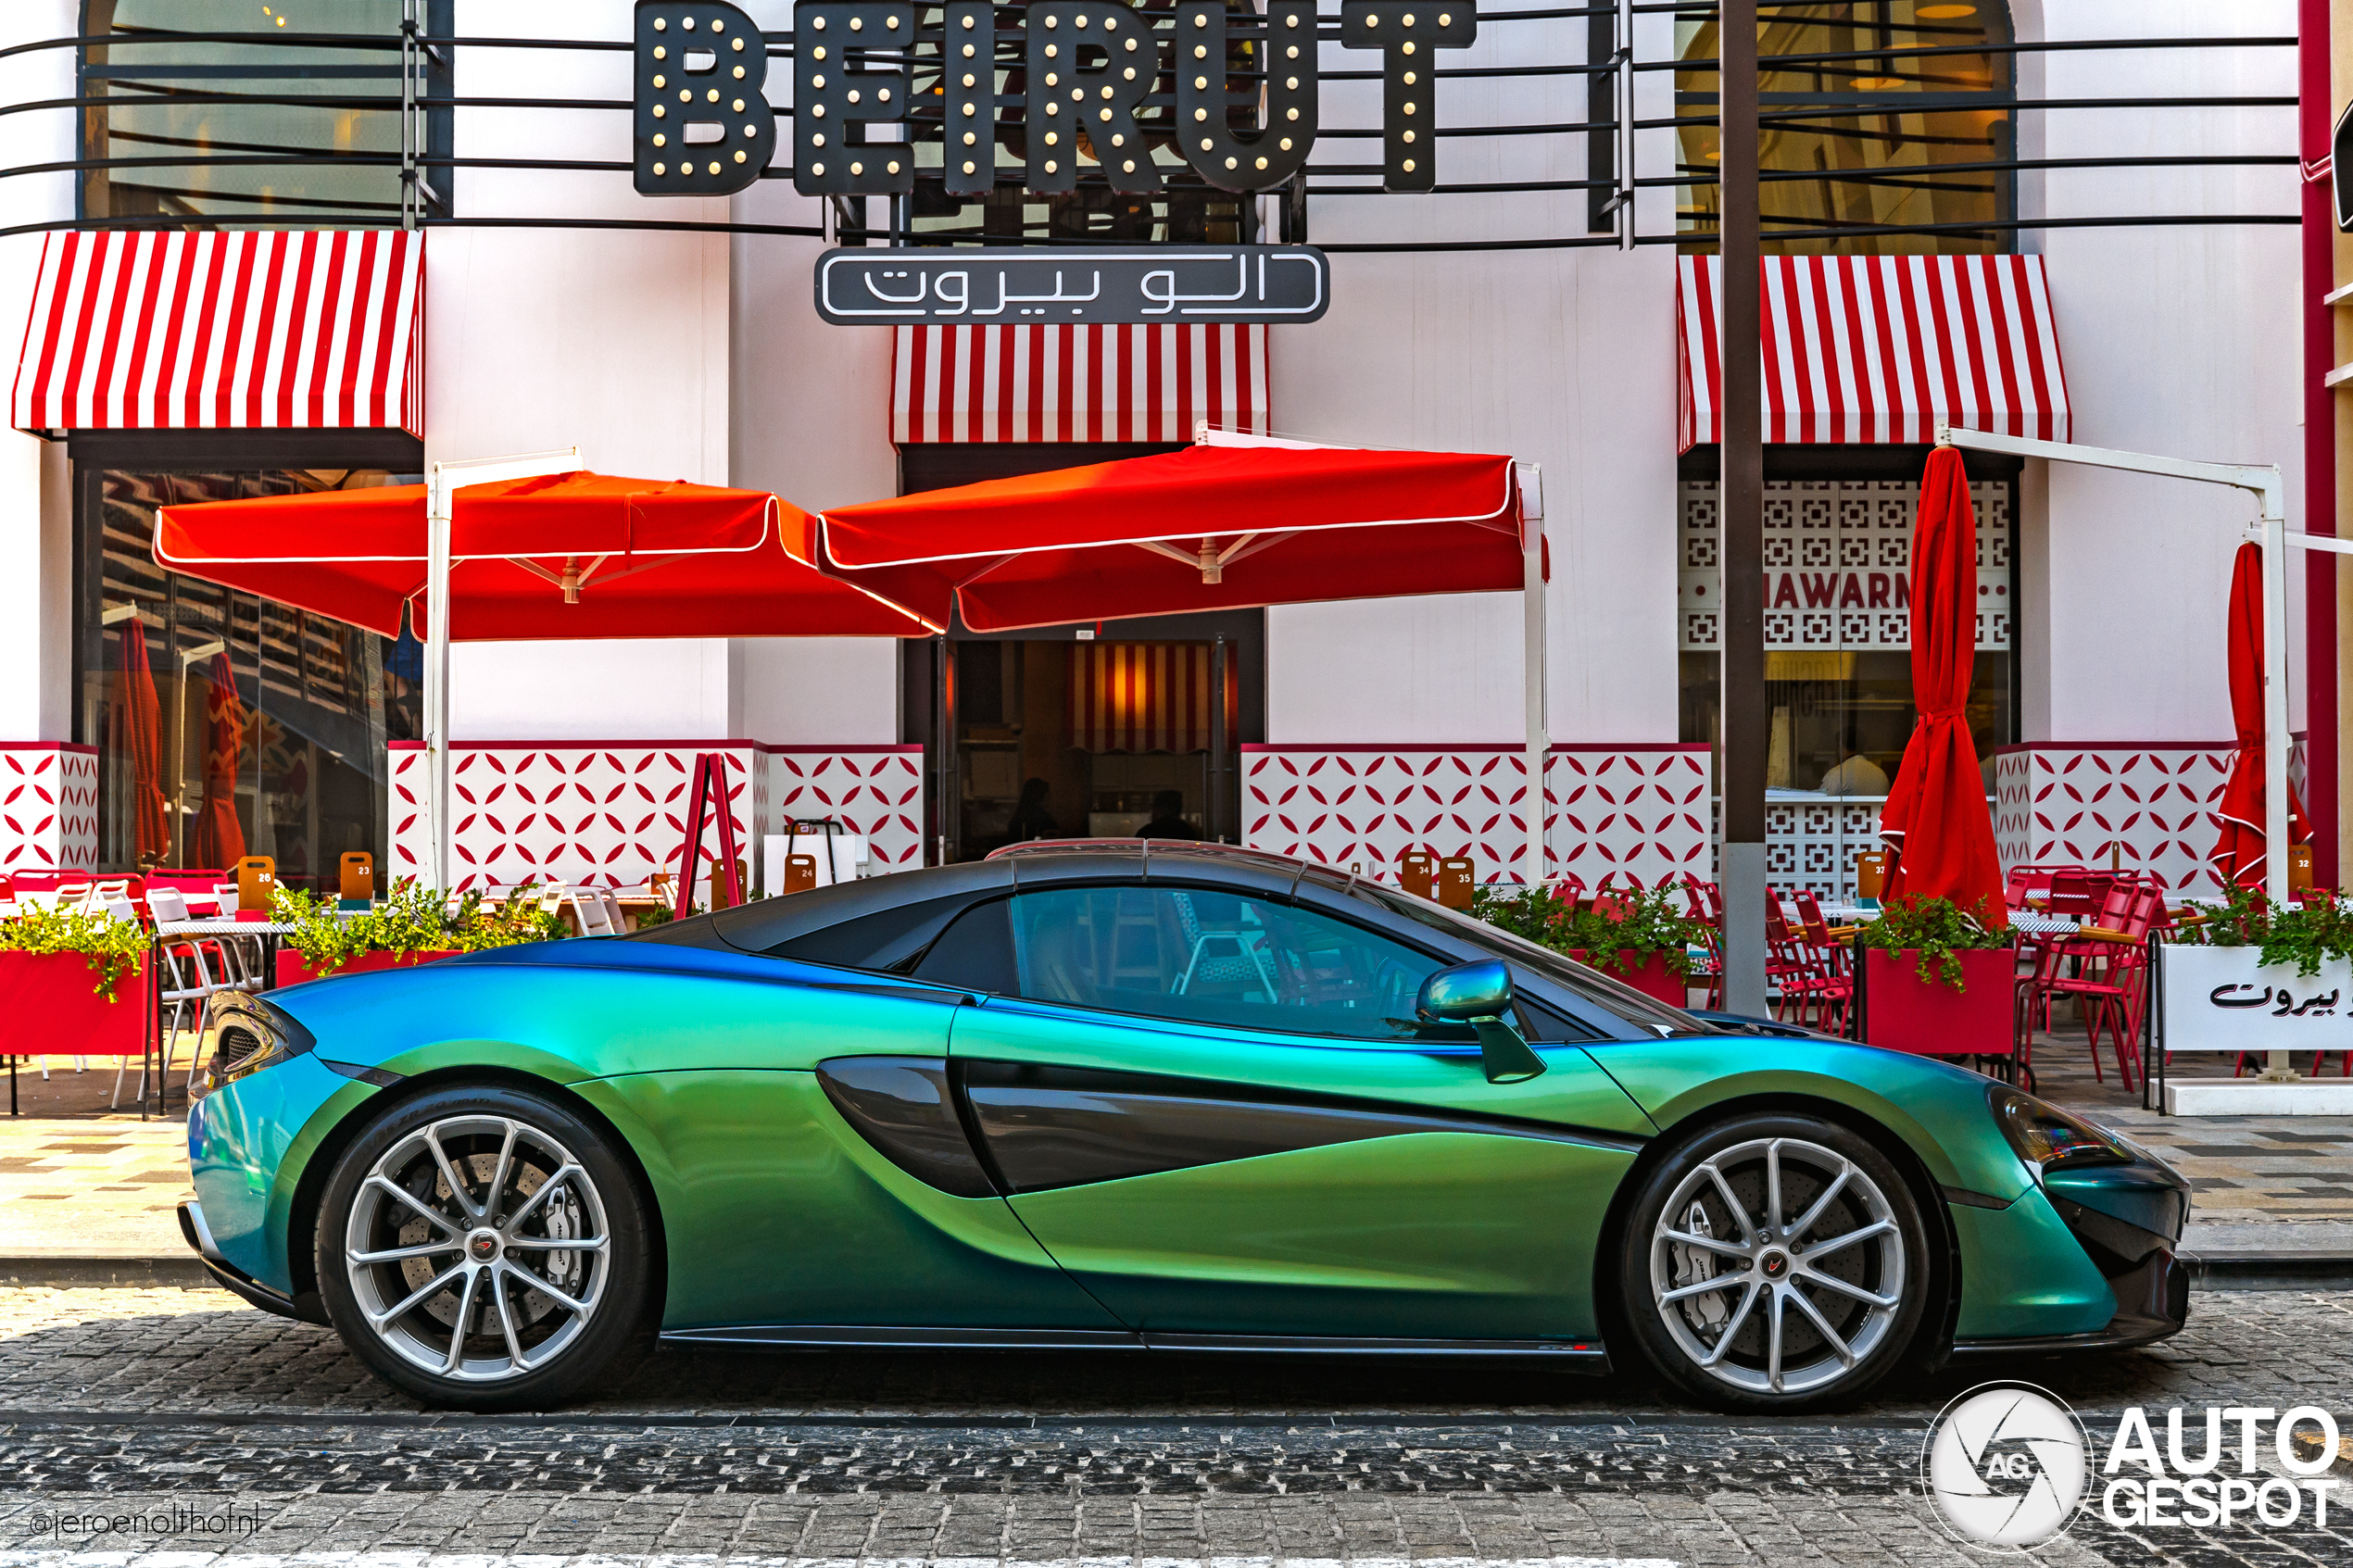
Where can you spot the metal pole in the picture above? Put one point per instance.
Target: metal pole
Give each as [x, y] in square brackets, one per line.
[436, 671]
[2277, 1064]
[1747, 724]
[1624, 117]
[1540, 742]
[1213, 808]
[441, 481]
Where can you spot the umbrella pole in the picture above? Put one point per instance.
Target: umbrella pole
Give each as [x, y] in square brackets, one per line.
[1540, 742]
[441, 486]
[436, 672]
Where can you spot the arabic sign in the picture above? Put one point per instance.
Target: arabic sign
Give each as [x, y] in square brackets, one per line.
[1049, 286]
[1060, 86]
[2228, 999]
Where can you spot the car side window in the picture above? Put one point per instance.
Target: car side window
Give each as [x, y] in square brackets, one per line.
[1200, 956]
[975, 953]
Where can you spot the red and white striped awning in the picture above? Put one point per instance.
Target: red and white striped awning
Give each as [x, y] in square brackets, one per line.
[1077, 383]
[1878, 348]
[1146, 696]
[238, 330]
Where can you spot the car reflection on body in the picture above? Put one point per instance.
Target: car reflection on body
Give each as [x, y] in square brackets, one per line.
[1112, 1094]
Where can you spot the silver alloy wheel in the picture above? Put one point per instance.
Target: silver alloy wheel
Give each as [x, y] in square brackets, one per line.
[1778, 1266]
[478, 1249]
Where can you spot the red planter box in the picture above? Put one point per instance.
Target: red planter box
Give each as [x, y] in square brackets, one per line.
[294, 969]
[1653, 979]
[48, 1008]
[1902, 1012]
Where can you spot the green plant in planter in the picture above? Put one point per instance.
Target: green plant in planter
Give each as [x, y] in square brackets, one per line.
[411, 920]
[1644, 925]
[2306, 936]
[1937, 928]
[113, 947]
[519, 919]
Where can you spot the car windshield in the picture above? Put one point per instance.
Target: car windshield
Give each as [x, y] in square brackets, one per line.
[1646, 1013]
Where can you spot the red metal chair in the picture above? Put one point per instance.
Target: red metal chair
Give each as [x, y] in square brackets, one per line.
[1790, 970]
[1704, 903]
[2110, 986]
[1833, 986]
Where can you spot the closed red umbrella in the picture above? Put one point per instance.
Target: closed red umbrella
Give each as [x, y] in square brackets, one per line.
[221, 838]
[142, 724]
[1935, 820]
[573, 555]
[1207, 528]
[2238, 853]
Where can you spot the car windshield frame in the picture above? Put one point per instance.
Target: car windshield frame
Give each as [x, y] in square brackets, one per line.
[1655, 1019]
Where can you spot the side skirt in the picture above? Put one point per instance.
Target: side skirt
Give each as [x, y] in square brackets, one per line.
[1564, 1355]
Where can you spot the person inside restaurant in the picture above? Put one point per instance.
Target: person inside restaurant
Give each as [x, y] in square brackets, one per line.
[1030, 818]
[1168, 818]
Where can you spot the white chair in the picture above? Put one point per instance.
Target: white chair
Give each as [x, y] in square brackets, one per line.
[592, 911]
[189, 984]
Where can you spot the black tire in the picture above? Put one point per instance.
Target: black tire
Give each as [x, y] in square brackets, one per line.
[545, 1323]
[1844, 1322]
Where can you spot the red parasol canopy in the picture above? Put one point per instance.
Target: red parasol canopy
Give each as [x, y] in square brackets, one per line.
[1935, 817]
[575, 555]
[221, 838]
[1207, 528]
[2238, 853]
[142, 722]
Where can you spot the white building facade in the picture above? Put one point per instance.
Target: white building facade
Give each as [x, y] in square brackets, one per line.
[675, 337]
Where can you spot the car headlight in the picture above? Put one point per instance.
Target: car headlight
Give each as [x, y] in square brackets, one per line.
[243, 1034]
[2049, 1138]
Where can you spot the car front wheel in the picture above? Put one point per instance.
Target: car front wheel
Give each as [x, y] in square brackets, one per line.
[1775, 1263]
[484, 1248]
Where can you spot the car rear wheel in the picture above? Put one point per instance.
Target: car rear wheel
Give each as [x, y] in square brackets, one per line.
[1775, 1263]
[484, 1248]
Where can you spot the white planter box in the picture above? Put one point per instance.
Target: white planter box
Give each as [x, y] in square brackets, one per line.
[2226, 999]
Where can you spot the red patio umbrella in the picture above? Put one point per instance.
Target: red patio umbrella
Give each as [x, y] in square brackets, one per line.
[1208, 528]
[221, 838]
[562, 556]
[1935, 820]
[2238, 853]
[142, 725]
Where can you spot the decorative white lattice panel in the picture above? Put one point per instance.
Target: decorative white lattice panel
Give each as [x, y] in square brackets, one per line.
[1837, 564]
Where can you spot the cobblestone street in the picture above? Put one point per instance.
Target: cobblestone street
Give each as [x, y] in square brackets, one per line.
[121, 1402]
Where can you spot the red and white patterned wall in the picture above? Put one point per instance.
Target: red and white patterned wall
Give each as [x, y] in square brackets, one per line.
[48, 805]
[2153, 803]
[1622, 813]
[611, 815]
[874, 791]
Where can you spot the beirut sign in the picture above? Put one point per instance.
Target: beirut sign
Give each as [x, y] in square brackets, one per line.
[1070, 85]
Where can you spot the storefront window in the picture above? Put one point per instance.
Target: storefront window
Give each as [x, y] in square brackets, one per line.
[1838, 662]
[264, 125]
[227, 724]
[1917, 156]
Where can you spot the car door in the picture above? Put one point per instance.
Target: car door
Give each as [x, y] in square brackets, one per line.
[1212, 1109]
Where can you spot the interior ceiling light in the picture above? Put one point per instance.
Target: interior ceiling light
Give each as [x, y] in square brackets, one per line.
[1944, 13]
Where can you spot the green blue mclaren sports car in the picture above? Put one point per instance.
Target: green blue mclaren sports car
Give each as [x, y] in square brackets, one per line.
[1120, 1096]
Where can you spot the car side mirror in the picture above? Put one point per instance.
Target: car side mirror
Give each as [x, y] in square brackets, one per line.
[1480, 994]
